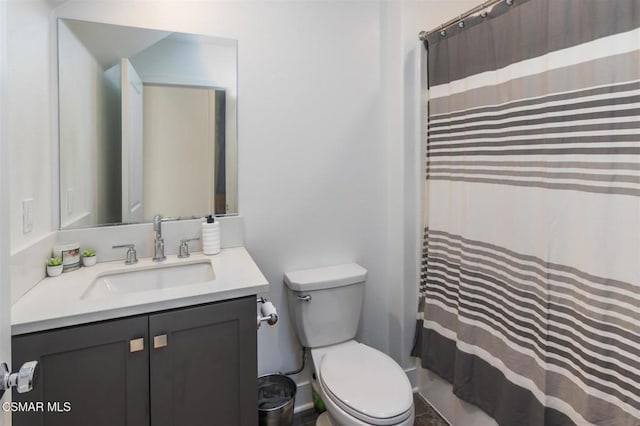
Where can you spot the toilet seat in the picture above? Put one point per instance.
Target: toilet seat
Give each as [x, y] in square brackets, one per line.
[389, 421]
[367, 384]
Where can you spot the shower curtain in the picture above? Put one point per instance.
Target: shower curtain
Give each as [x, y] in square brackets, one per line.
[530, 285]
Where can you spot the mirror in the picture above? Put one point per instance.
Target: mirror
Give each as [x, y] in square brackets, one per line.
[147, 123]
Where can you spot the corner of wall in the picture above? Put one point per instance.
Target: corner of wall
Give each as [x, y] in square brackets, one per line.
[28, 265]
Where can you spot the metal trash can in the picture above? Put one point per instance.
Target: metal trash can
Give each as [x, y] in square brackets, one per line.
[276, 398]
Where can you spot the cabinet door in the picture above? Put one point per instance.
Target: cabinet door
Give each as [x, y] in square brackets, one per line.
[93, 369]
[204, 368]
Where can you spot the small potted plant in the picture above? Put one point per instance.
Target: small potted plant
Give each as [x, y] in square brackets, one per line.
[54, 266]
[88, 257]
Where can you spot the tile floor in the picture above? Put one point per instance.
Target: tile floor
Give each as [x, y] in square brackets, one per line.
[425, 415]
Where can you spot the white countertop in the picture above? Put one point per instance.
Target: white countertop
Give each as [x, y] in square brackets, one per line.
[56, 302]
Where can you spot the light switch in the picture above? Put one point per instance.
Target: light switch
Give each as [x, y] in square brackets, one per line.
[27, 215]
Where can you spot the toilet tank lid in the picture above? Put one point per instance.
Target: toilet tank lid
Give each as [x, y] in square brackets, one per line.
[327, 277]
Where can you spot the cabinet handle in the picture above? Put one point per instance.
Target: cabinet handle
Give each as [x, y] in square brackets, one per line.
[160, 341]
[136, 345]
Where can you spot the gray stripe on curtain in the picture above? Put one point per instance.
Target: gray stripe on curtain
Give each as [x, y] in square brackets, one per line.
[541, 164]
[619, 100]
[548, 185]
[516, 34]
[596, 73]
[565, 140]
[545, 130]
[547, 175]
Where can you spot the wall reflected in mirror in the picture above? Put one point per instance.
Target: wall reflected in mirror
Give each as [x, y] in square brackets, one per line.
[147, 123]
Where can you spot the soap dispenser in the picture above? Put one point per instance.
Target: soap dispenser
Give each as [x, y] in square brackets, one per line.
[210, 236]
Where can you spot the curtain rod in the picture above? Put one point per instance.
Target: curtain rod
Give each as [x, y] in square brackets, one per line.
[424, 34]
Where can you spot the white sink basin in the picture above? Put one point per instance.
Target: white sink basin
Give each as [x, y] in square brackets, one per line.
[156, 277]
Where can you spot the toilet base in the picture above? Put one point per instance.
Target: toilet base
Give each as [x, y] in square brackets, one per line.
[324, 420]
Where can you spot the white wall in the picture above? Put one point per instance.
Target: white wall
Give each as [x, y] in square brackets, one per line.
[329, 142]
[29, 117]
[5, 293]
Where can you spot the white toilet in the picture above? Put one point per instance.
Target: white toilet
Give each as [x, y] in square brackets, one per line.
[358, 384]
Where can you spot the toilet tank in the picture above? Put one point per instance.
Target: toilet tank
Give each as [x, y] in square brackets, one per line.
[325, 303]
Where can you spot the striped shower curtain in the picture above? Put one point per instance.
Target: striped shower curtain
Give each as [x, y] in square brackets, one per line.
[530, 288]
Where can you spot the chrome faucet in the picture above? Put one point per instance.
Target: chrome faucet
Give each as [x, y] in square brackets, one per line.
[158, 242]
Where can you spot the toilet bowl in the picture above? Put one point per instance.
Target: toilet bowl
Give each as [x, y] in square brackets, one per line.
[362, 386]
[359, 385]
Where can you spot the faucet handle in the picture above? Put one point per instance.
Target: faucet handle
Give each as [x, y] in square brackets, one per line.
[184, 247]
[132, 257]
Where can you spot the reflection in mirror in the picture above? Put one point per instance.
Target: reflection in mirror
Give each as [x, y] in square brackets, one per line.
[147, 124]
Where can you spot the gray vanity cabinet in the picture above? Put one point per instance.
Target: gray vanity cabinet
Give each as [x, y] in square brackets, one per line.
[91, 368]
[198, 366]
[206, 373]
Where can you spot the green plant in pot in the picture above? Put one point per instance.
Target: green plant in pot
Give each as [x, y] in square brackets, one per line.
[54, 266]
[89, 257]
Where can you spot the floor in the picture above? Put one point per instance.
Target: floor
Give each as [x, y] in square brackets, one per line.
[425, 415]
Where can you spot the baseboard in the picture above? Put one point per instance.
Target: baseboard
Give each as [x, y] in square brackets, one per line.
[304, 397]
[304, 407]
[412, 375]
